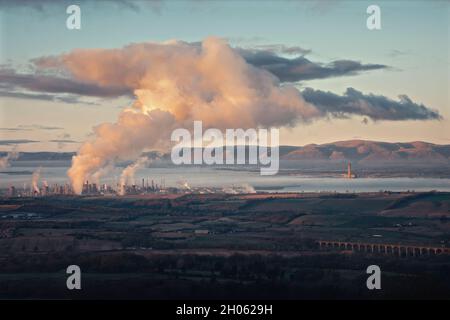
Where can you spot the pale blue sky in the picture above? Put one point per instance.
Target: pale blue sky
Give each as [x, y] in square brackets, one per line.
[414, 41]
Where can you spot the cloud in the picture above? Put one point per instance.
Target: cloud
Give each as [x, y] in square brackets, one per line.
[147, 71]
[300, 68]
[39, 127]
[54, 79]
[14, 142]
[54, 84]
[37, 96]
[398, 53]
[264, 57]
[125, 71]
[30, 127]
[42, 5]
[14, 129]
[376, 107]
[281, 49]
[63, 141]
[69, 99]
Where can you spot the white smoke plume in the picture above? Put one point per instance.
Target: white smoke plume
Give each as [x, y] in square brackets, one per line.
[244, 188]
[96, 176]
[35, 180]
[184, 184]
[127, 175]
[247, 188]
[10, 156]
[174, 84]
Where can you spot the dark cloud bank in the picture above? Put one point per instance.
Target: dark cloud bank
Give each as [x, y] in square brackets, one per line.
[301, 68]
[377, 107]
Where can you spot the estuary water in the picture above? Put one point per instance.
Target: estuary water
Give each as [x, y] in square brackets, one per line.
[20, 177]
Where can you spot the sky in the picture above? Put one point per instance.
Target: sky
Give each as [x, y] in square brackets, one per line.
[408, 56]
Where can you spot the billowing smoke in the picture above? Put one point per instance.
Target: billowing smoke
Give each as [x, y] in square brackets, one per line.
[10, 156]
[175, 83]
[123, 140]
[127, 175]
[96, 176]
[35, 180]
[248, 188]
[184, 184]
[244, 188]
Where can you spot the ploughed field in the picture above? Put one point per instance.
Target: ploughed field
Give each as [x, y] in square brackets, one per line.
[249, 246]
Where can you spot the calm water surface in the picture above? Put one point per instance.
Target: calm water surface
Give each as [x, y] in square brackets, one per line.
[210, 177]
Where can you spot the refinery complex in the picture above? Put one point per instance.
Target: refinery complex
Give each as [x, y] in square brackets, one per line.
[146, 187]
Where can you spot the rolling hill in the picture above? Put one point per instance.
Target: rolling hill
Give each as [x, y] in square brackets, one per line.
[360, 151]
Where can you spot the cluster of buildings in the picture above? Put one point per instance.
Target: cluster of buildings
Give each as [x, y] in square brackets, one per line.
[45, 190]
[89, 189]
[145, 187]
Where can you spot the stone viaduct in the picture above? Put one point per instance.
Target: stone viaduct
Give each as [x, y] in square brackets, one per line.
[384, 248]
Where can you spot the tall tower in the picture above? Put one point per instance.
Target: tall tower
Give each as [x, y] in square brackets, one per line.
[349, 170]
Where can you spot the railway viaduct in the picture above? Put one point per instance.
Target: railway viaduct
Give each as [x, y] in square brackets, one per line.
[383, 248]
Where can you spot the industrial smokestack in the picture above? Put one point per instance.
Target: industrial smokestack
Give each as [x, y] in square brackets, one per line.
[35, 180]
[128, 173]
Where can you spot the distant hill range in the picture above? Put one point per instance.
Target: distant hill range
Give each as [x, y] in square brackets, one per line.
[371, 151]
[360, 151]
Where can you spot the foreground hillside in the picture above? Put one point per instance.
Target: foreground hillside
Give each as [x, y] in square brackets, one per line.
[254, 246]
